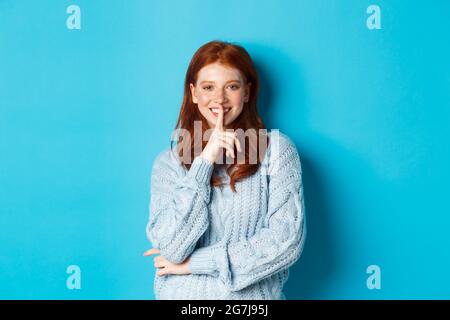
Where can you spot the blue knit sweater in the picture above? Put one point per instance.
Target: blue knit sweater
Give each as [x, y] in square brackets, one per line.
[241, 244]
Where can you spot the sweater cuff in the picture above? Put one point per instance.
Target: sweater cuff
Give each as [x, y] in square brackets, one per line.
[201, 170]
[202, 262]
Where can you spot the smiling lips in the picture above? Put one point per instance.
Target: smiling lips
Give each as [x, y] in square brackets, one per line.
[215, 111]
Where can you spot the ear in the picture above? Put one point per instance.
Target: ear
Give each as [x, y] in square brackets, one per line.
[194, 97]
[247, 92]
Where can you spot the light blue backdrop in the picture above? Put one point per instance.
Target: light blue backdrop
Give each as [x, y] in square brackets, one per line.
[83, 113]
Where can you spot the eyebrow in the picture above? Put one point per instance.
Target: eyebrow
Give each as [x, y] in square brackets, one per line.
[225, 82]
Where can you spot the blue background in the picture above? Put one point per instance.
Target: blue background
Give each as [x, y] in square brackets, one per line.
[83, 113]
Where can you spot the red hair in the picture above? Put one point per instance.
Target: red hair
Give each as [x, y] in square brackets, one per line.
[234, 56]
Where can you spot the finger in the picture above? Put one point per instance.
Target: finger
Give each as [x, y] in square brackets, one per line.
[150, 252]
[158, 264]
[219, 122]
[228, 141]
[228, 147]
[231, 141]
[162, 272]
[236, 141]
[221, 138]
[228, 133]
[221, 135]
[228, 136]
[238, 144]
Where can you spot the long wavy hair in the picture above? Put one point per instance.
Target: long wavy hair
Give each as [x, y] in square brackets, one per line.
[234, 56]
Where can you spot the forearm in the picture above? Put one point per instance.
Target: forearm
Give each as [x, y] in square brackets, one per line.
[179, 212]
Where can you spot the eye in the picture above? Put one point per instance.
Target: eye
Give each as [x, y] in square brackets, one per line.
[207, 87]
[234, 87]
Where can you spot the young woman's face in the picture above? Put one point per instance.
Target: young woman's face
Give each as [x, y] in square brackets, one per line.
[218, 85]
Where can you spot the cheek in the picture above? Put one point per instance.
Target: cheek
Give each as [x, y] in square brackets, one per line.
[203, 100]
[237, 99]
[237, 110]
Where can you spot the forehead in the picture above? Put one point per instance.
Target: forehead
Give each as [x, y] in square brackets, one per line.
[218, 73]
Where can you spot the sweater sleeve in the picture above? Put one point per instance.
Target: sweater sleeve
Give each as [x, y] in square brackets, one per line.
[274, 247]
[178, 205]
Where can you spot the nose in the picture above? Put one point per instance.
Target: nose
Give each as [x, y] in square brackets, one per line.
[219, 97]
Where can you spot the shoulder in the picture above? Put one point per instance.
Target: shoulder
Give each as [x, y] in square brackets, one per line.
[167, 161]
[282, 152]
[280, 141]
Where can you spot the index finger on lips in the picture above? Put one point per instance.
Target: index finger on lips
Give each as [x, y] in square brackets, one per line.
[219, 122]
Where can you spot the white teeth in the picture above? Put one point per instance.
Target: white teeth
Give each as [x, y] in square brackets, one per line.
[216, 110]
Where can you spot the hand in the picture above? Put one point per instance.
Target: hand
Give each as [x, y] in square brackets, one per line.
[219, 140]
[166, 267]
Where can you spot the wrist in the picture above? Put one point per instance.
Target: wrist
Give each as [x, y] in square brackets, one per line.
[203, 156]
[200, 170]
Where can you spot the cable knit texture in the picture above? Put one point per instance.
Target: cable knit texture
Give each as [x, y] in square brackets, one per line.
[241, 244]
